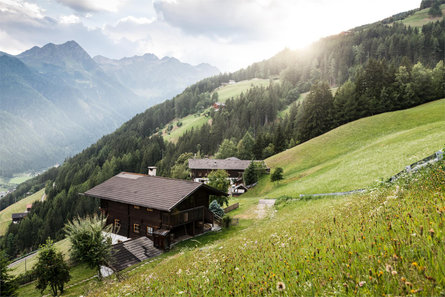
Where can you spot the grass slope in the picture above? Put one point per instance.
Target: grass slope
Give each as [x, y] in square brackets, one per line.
[6, 183]
[389, 241]
[421, 17]
[19, 206]
[63, 245]
[198, 120]
[194, 121]
[357, 154]
[236, 89]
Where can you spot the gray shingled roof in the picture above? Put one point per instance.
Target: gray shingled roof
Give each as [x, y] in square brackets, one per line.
[215, 164]
[19, 215]
[128, 253]
[147, 191]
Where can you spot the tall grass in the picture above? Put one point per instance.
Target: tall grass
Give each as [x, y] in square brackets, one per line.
[357, 154]
[387, 242]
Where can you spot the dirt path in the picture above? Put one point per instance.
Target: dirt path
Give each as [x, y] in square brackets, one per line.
[263, 207]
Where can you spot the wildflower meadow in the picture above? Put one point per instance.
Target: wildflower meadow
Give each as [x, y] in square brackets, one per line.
[387, 242]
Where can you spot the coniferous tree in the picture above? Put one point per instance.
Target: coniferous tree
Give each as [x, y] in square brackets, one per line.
[435, 10]
[250, 174]
[8, 286]
[245, 147]
[317, 111]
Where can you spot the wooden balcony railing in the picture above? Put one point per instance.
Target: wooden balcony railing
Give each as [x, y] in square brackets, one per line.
[199, 213]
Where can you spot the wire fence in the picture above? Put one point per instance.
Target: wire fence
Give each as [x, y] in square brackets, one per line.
[431, 159]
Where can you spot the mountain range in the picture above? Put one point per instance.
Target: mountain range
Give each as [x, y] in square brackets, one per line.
[56, 99]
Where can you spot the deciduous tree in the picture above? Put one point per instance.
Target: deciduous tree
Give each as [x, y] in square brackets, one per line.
[51, 269]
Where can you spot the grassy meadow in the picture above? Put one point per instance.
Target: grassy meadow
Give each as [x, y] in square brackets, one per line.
[386, 242]
[63, 245]
[17, 179]
[421, 17]
[192, 121]
[358, 154]
[19, 206]
[236, 89]
[198, 120]
[72, 288]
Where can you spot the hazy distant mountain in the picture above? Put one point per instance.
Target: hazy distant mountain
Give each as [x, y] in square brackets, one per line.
[152, 77]
[55, 100]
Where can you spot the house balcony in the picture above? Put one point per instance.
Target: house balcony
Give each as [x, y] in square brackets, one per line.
[200, 213]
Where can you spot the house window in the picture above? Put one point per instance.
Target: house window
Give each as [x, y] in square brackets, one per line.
[149, 230]
[186, 217]
[117, 223]
[149, 209]
[136, 207]
[136, 228]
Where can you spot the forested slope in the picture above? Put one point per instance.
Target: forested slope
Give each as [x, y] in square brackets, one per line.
[378, 60]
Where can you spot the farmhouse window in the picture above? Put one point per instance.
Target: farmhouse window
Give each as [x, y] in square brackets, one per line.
[117, 223]
[136, 228]
[149, 209]
[149, 230]
[186, 217]
[136, 206]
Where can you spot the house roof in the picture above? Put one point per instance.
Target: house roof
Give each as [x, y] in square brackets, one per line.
[19, 215]
[147, 191]
[215, 164]
[128, 253]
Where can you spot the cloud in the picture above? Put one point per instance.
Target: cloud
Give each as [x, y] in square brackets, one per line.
[69, 19]
[130, 28]
[14, 8]
[229, 19]
[93, 5]
[23, 27]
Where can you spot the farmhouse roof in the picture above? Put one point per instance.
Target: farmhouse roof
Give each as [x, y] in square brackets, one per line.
[215, 164]
[147, 191]
[19, 215]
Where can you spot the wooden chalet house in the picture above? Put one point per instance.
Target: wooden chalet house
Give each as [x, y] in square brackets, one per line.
[200, 168]
[163, 209]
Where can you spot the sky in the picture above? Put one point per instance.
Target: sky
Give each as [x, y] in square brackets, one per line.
[229, 34]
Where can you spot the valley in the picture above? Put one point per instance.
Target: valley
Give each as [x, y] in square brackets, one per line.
[346, 113]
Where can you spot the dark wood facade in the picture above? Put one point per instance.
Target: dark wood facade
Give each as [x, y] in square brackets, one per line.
[163, 227]
[198, 173]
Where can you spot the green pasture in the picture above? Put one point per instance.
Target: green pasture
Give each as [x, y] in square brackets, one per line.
[358, 154]
[19, 206]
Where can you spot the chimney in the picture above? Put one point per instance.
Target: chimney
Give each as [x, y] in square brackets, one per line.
[151, 170]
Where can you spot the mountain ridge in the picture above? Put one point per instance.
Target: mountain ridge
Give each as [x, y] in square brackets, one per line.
[68, 99]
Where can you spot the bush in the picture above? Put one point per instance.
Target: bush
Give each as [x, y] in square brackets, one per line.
[226, 221]
[88, 243]
[216, 209]
[277, 175]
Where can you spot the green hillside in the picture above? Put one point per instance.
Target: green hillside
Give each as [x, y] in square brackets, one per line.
[63, 245]
[199, 119]
[187, 123]
[421, 17]
[357, 154]
[389, 241]
[234, 90]
[19, 206]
